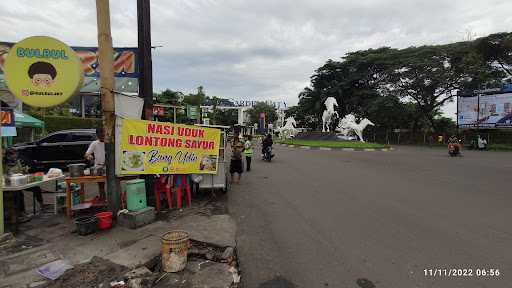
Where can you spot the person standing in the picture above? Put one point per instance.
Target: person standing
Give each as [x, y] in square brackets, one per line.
[235, 168]
[248, 151]
[96, 151]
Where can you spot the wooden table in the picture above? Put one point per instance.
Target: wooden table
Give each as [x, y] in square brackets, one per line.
[81, 181]
[87, 179]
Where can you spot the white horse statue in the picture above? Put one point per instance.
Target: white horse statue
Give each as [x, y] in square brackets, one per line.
[329, 113]
[348, 124]
[288, 130]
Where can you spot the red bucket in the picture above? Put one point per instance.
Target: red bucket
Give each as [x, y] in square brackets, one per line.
[104, 220]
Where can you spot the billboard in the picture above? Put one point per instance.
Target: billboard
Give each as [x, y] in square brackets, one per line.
[485, 111]
[126, 69]
[149, 147]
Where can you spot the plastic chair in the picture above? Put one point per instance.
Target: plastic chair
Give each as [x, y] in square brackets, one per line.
[163, 184]
[180, 182]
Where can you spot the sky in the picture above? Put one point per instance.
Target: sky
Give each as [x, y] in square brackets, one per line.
[257, 50]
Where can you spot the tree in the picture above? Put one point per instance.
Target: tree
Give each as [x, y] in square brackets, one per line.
[169, 97]
[262, 107]
[430, 76]
[224, 117]
[196, 99]
[497, 49]
[354, 82]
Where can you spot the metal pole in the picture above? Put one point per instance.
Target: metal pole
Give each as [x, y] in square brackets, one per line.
[82, 105]
[106, 62]
[144, 41]
[174, 114]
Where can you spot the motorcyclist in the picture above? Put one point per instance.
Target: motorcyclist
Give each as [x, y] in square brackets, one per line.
[267, 142]
[453, 140]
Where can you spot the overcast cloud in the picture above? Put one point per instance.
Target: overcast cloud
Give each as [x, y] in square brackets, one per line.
[257, 50]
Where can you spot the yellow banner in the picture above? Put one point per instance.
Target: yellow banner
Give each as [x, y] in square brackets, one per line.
[149, 147]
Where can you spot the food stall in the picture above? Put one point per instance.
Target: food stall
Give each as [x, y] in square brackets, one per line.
[221, 179]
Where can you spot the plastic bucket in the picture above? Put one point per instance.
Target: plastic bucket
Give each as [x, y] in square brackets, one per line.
[175, 246]
[86, 225]
[104, 220]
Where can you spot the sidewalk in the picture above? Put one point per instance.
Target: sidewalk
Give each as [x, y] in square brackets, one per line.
[108, 255]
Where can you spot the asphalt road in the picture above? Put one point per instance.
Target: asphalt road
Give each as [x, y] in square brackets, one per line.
[375, 219]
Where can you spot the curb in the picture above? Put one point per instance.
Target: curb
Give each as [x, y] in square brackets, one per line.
[336, 149]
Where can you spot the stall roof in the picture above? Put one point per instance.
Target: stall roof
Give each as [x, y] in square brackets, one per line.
[24, 120]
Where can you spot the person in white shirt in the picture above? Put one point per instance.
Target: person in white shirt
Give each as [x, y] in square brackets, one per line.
[482, 143]
[96, 151]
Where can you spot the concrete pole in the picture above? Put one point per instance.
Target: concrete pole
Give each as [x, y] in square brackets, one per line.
[106, 62]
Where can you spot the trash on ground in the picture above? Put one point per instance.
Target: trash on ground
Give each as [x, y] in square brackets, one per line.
[54, 270]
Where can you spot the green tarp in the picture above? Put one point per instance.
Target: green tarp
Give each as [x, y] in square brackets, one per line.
[24, 120]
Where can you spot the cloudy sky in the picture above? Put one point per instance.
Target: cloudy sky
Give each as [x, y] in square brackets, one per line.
[257, 50]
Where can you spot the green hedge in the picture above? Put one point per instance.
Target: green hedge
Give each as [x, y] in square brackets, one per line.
[56, 123]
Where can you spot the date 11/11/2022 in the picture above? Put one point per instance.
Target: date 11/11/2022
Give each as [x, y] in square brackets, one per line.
[461, 272]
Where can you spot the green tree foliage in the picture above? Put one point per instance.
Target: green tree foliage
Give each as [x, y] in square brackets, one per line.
[262, 107]
[497, 49]
[196, 99]
[404, 88]
[430, 76]
[224, 117]
[169, 97]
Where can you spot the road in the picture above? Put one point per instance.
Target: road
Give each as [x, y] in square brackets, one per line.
[374, 219]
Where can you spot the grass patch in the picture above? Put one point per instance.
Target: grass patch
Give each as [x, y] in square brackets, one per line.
[500, 147]
[333, 144]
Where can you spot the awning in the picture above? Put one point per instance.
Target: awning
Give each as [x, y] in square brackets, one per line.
[24, 120]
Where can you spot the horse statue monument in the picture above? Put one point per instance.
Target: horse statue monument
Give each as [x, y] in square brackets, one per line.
[329, 113]
[348, 124]
[288, 130]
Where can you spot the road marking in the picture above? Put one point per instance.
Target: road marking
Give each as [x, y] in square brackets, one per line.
[325, 148]
[305, 147]
[369, 149]
[348, 149]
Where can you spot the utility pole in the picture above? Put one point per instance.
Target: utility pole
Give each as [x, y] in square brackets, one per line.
[146, 66]
[106, 62]
[145, 70]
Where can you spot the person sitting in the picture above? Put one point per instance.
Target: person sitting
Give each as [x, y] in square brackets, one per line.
[267, 142]
[453, 140]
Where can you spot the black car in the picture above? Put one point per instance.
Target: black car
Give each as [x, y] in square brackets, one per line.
[56, 150]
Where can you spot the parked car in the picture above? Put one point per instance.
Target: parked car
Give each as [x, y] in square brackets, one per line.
[56, 150]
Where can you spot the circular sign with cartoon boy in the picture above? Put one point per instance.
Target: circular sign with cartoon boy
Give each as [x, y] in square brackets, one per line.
[42, 71]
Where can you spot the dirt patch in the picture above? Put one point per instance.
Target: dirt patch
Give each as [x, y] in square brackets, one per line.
[91, 274]
[207, 203]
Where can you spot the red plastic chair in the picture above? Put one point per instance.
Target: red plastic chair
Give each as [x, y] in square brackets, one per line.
[180, 182]
[163, 184]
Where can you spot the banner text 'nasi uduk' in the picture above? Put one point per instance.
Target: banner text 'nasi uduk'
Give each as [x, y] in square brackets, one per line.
[149, 147]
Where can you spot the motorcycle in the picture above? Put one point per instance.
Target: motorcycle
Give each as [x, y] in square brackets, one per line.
[267, 154]
[453, 149]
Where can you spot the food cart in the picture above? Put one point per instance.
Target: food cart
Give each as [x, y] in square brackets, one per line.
[221, 179]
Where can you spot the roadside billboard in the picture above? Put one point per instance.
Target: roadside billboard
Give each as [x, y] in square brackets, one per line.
[149, 147]
[126, 69]
[485, 111]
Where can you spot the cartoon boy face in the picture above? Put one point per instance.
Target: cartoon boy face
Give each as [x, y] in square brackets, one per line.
[42, 74]
[44, 80]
